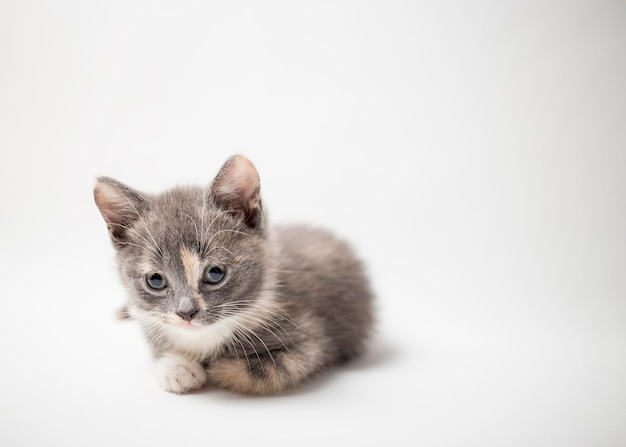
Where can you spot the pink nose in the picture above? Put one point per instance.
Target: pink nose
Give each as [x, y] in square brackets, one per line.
[187, 316]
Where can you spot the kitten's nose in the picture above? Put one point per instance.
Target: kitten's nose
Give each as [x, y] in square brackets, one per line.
[187, 316]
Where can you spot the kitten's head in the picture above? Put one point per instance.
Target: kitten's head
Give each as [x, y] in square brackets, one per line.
[191, 256]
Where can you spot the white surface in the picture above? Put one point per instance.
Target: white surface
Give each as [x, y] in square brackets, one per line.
[474, 152]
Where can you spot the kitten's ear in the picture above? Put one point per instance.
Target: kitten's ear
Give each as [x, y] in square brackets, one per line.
[237, 189]
[120, 206]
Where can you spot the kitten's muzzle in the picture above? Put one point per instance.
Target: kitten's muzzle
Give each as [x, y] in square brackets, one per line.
[186, 308]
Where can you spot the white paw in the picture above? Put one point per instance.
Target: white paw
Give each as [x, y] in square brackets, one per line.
[177, 374]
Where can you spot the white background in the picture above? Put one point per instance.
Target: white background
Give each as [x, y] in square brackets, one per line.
[473, 152]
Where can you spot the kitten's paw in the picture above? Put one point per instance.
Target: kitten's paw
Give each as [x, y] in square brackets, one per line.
[177, 374]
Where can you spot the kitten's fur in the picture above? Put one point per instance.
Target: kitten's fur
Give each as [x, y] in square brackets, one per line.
[293, 300]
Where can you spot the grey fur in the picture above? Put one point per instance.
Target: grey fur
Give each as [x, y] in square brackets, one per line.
[321, 309]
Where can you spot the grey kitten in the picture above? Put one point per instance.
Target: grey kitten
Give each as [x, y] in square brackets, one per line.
[222, 298]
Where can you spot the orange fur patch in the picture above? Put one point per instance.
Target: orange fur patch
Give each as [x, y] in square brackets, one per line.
[191, 264]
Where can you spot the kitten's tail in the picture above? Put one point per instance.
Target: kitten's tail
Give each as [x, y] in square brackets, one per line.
[122, 314]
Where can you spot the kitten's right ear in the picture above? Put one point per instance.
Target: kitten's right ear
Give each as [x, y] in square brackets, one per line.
[120, 206]
[237, 190]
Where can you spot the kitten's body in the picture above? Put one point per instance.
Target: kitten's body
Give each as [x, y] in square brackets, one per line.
[291, 302]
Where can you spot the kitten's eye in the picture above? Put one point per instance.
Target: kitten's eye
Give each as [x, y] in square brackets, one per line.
[214, 274]
[156, 281]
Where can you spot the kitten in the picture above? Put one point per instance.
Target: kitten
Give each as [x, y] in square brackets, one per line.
[222, 298]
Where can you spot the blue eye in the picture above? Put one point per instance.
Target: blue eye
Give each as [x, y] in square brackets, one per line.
[156, 281]
[214, 274]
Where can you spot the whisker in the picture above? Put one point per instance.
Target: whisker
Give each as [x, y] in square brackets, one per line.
[243, 350]
[267, 328]
[250, 331]
[148, 249]
[156, 245]
[261, 323]
[217, 247]
[232, 346]
[239, 332]
[211, 224]
[208, 245]
[195, 226]
[259, 317]
[152, 331]
[201, 242]
[148, 244]
[282, 314]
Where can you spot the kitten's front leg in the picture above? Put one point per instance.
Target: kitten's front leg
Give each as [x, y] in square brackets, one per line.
[268, 372]
[178, 374]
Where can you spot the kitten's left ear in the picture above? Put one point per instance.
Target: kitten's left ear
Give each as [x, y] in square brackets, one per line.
[237, 189]
[119, 205]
